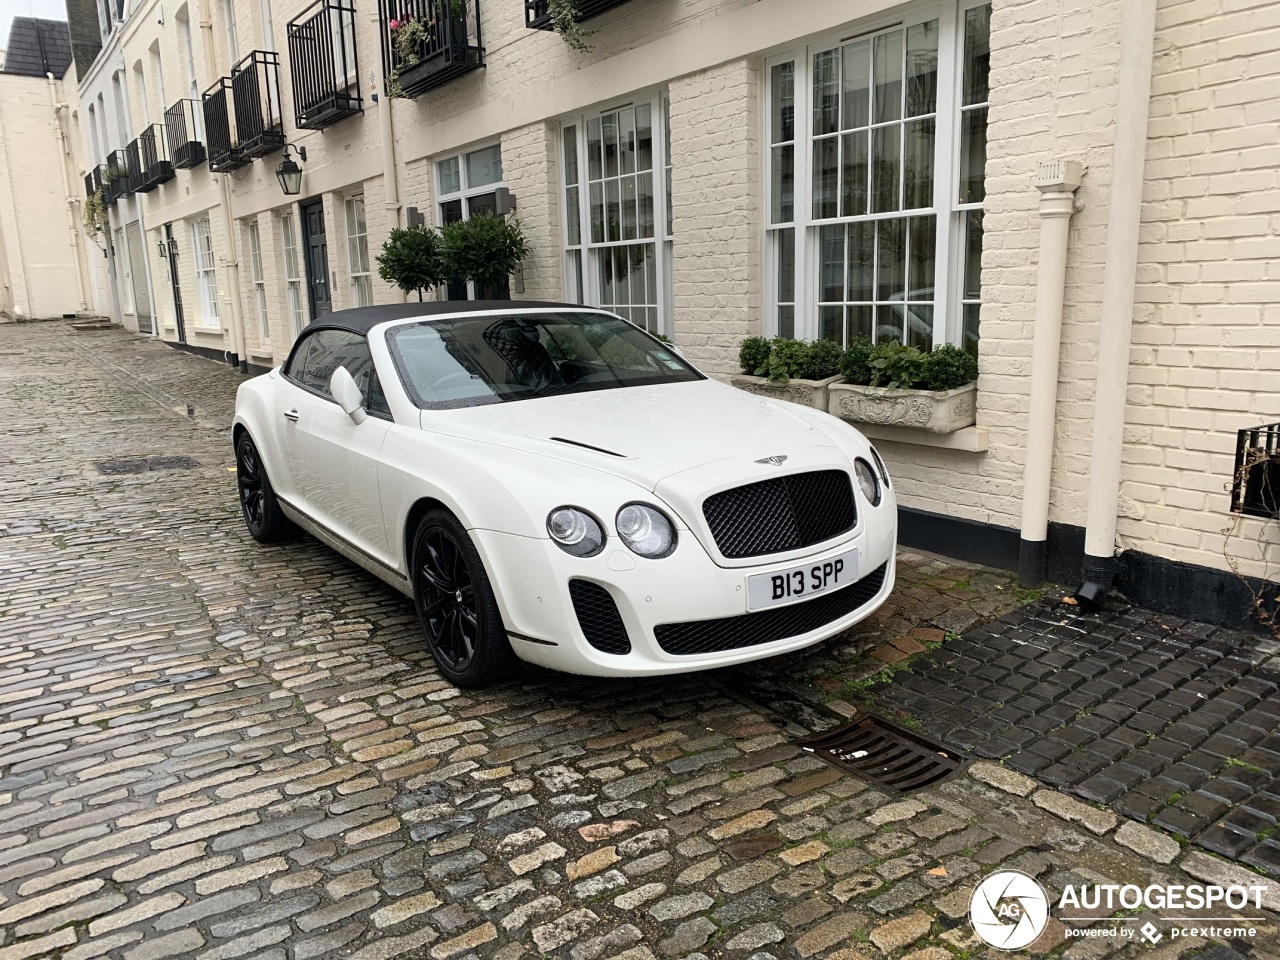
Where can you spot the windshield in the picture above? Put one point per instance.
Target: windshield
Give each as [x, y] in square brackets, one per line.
[471, 361]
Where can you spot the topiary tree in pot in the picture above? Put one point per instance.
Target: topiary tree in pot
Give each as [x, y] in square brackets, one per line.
[411, 259]
[484, 249]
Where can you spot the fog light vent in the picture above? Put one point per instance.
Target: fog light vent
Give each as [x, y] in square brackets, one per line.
[884, 754]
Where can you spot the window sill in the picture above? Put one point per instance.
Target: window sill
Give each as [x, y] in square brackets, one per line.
[205, 328]
[966, 439]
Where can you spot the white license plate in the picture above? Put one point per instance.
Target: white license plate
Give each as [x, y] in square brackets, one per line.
[802, 582]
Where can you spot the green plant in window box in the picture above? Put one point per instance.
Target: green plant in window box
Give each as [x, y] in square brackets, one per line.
[784, 369]
[753, 354]
[822, 360]
[892, 385]
[564, 18]
[484, 249]
[95, 214]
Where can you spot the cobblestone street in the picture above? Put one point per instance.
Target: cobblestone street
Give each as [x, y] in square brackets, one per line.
[214, 749]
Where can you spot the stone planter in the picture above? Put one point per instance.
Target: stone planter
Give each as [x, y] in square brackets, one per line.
[807, 393]
[945, 411]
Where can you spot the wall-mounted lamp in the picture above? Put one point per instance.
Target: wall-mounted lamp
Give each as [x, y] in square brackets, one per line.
[289, 173]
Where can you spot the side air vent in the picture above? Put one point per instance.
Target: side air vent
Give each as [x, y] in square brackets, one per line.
[598, 617]
[587, 446]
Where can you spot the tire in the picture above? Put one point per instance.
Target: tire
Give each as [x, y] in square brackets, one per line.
[261, 510]
[456, 607]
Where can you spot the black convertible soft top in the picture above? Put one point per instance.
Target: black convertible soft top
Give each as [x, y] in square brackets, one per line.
[362, 319]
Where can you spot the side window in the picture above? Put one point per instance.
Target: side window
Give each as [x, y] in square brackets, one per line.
[331, 349]
[297, 361]
[375, 401]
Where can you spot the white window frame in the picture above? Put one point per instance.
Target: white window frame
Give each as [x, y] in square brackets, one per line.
[581, 265]
[465, 192]
[358, 264]
[947, 318]
[266, 25]
[206, 274]
[233, 35]
[295, 299]
[157, 69]
[259, 282]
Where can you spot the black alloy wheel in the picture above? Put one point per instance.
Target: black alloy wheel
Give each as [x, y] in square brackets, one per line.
[263, 517]
[456, 606]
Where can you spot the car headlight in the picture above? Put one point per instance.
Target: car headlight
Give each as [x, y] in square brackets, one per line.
[646, 530]
[575, 531]
[868, 481]
[884, 473]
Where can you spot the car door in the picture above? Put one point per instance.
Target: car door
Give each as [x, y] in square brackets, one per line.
[333, 461]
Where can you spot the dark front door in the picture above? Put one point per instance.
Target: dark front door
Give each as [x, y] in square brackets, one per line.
[171, 258]
[317, 253]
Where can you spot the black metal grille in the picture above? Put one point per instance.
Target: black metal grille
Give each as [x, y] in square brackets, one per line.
[782, 513]
[885, 755]
[537, 13]
[1255, 490]
[255, 86]
[323, 65]
[766, 626]
[598, 617]
[118, 173]
[219, 128]
[133, 160]
[450, 44]
[182, 129]
[156, 168]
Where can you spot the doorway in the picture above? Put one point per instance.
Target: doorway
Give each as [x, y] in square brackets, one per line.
[171, 258]
[138, 277]
[316, 249]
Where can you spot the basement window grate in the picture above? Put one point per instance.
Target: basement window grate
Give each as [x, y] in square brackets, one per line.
[890, 758]
[134, 465]
[1255, 487]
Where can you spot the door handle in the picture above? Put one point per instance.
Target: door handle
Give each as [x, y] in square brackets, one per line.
[291, 416]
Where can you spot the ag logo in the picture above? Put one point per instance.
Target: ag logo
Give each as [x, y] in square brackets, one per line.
[1009, 910]
[774, 461]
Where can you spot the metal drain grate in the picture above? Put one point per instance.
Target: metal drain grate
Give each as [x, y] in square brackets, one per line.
[884, 754]
[116, 468]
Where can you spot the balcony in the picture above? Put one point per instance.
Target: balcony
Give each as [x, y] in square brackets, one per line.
[255, 86]
[220, 130]
[156, 167]
[433, 43]
[93, 180]
[182, 130]
[323, 67]
[118, 175]
[537, 13]
[133, 160]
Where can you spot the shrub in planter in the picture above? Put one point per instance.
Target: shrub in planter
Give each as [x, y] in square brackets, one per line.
[787, 359]
[411, 259]
[948, 367]
[785, 369]
[483, 249]
[893, 385]
[822, 360]
[855, 365]
[753, 355]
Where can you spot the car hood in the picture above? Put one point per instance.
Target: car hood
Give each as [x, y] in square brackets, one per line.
[645, 433]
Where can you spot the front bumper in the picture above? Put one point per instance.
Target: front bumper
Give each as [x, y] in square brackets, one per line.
[531, 579]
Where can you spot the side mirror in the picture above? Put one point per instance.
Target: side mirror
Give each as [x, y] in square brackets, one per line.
[343, 389]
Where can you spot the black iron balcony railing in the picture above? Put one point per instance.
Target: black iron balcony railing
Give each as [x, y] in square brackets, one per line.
[1255, 490]
[92, 181]
[255, 85]
[101, 182]
[182, 130]
[537, 13]
[427, 43]
[323, 67]
[156, 167]
[133, 160]
[220, 128]
[118, 173]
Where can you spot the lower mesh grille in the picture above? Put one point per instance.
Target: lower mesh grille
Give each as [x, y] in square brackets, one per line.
[598, 617]
[766, 626]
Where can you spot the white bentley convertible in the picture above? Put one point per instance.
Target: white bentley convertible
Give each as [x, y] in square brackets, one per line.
[550, 483]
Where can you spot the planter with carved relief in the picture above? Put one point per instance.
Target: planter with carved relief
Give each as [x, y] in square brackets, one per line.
[941, 411]
[807, 393]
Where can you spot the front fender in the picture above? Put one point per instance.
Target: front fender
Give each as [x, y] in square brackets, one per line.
[254, 413]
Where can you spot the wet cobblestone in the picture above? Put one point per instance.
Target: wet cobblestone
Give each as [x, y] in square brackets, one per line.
[211, 749]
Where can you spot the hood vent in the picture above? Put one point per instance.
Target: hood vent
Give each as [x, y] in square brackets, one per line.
[587, 446]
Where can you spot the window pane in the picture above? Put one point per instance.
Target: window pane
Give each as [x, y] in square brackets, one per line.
[861, 261]
[627, 141]
[884, 169]
[593, 150]
[644, 137]
[971, 313]
[921, 247]
[853, 175]
[826, 92]
[597, 213]
[786, 241]
[977, 54]
[644, 188]
[917, 163]
[857, 322]
[451, 211]
[856, 109]
[628, 208]
[612, 211]
[786, 321]
[890, 259]
[610, 130]
[831, 278]
[782, 187]
[973, 155]
[574, 216]
[917, 319]
[888, 322]
[886, 59]
[783, 107]
[571, 155]
[973, 256]
[484, 166]
[830, 321]
[450, 181]
[826, 177]
[651, 281]
[922, 68]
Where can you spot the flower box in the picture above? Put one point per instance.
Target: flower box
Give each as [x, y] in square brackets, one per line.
[807, 393]
[944, 411]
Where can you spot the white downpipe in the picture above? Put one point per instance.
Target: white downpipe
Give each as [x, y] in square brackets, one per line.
[1137, 41]
[390, 183]
[1057, 182]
